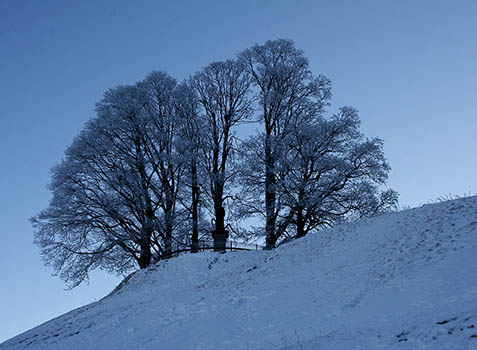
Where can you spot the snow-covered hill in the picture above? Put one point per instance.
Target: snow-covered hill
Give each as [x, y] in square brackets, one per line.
[404, 280]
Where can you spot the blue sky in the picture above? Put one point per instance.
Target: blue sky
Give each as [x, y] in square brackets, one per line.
[410, 67]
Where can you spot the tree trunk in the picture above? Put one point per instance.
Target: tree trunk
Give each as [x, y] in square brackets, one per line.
[220, 234]
[300, 219]
[219, 212]
[270, 197]
[195, 211]
[169, 222]
[300, 223]
[145, 256]
[168, 233]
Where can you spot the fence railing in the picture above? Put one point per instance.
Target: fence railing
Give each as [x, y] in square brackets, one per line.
[205, 245]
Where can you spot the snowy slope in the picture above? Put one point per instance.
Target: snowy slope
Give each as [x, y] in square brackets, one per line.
[404, 280]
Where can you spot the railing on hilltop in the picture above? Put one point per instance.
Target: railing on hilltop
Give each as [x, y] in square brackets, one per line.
[205, 245]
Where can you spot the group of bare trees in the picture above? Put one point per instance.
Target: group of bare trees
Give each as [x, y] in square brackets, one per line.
[160, 165]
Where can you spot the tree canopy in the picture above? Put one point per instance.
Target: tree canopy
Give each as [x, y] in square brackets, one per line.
[160, 167]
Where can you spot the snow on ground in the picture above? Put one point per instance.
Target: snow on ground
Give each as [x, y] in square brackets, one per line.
[405, 280]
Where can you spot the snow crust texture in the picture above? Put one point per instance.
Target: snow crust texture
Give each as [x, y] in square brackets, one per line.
[405, 280]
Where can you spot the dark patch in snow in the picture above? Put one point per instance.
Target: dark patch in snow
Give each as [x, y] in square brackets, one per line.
[212, 263]
[253, 268]
[402, 336]
[447, 321]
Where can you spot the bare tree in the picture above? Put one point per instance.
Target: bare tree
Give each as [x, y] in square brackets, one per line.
[162, 148]
[114, 194]
[288, 95]
[223, 92]
[332, 172]
[101, 213]
[187, 109]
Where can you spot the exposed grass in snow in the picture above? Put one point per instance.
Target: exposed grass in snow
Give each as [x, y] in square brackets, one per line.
[405, 280]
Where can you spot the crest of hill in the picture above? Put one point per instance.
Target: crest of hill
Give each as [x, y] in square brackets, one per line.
[403, 280]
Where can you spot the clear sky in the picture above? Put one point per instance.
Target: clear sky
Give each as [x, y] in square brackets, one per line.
[410, 67]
